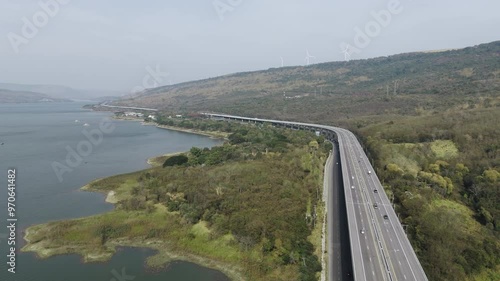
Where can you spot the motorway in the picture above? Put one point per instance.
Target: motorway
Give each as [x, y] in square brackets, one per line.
[379, 248]
[339, 251]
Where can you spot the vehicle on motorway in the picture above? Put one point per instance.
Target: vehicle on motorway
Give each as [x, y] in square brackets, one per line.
[352, 187]
[362, 231]
[375, 190]
[369, 172]
[386, 217]
[352, 177]
[375, 205]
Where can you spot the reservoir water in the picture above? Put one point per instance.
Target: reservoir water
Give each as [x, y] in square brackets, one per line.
[35, 136]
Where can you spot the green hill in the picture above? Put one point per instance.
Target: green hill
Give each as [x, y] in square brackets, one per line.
[399, 84]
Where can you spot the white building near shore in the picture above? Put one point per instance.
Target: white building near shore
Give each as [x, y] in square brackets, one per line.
[134, 114]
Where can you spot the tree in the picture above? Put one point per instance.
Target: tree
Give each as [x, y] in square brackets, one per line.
[491, 175]
[314, 144]
[394, 170]
[195, 151]
[104, 232]
[236, 138]
[176, 161]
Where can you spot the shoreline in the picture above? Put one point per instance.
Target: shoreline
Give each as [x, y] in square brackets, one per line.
[211, 134]
[163, 256]
[160, 260]
[157, 161]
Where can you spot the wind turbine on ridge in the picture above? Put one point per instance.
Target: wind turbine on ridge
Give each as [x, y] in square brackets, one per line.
[308, 57]
[347, 55]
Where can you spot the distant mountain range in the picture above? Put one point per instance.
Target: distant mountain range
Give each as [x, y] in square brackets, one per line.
[59, 92]
[8, 96]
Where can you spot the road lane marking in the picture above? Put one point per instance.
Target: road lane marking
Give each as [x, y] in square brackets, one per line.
[386, 259]
[393, 228]
[367, 209]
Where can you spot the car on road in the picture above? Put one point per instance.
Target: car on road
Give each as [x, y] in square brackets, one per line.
[352, 187]
[369, 172]
[375, 205]
[375, 191]
[362, 231]
[386, 217]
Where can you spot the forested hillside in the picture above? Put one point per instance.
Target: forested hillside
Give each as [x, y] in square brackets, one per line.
[400, 84]
[444, 172]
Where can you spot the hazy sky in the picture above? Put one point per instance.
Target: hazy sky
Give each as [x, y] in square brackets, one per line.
[110, 44]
